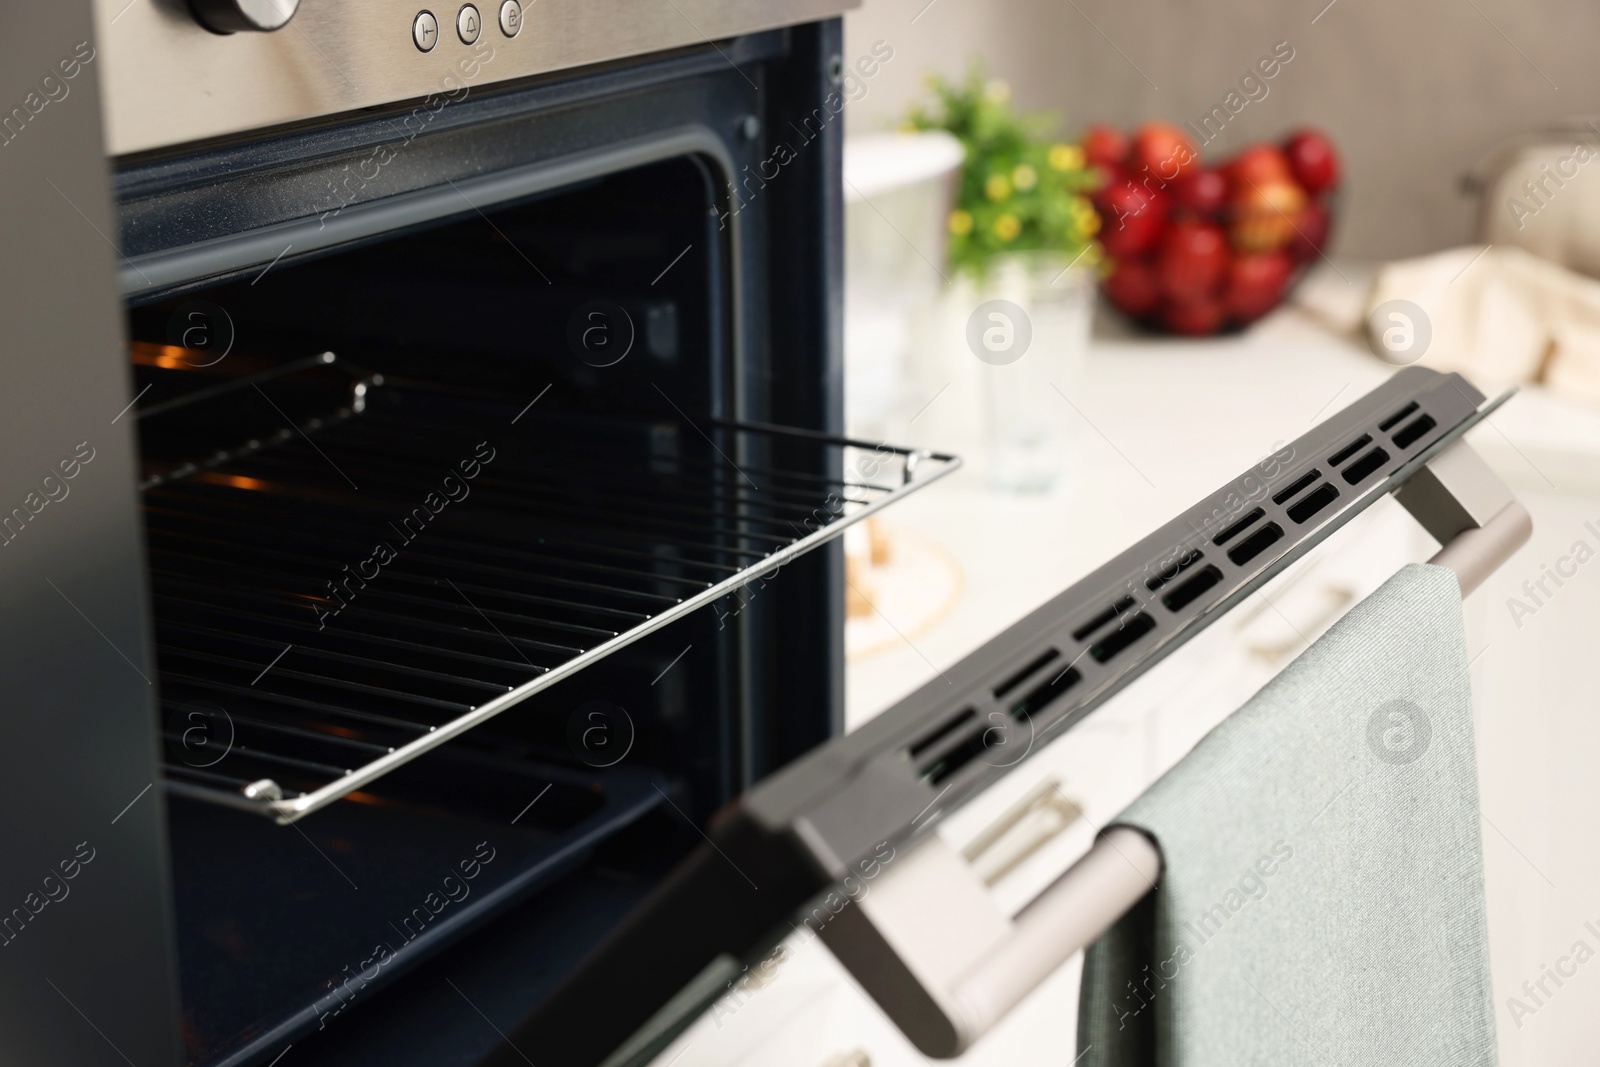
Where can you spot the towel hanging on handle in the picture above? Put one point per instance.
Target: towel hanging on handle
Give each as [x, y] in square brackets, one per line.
[1321, 895]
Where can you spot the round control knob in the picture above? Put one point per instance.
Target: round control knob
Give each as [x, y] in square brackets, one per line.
[234, 16]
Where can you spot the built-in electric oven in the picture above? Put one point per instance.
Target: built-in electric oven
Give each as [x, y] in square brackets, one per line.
[480, 399]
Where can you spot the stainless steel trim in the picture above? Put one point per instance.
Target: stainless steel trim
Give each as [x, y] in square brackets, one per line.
[168, 80]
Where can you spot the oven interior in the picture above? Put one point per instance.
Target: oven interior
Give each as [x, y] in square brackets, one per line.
[385, 483]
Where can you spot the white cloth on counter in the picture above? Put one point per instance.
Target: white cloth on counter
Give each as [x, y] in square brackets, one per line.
[1500, 316]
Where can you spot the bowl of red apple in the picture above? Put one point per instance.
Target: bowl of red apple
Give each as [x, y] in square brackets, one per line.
[1195, 249]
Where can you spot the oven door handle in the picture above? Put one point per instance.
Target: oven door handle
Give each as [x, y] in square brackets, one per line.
[929, 944]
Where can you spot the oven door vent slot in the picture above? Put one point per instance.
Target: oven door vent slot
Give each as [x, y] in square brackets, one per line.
[1394, 420]
[1349, 450]
[1170, 569]
[1027, 671]
[1239, 527]
[1044, 695]
[1299, 484]
[1366, 465]
[1413, 432]
[978, 742]
[1133, 627]
[1192, 589]
[1103, 619]
[944, 730]
[1315, 501]
[1255, 544]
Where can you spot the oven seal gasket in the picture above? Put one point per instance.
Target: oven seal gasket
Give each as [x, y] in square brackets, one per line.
[157, 273]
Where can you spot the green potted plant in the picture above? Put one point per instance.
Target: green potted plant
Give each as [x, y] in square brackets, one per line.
[1020, 189]
[1022, 255]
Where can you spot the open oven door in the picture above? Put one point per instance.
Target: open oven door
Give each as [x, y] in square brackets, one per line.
[840, 842]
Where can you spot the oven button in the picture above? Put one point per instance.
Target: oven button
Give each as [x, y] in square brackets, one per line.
[425, 31]
[468, 24]
[233, 16]
[510, 17]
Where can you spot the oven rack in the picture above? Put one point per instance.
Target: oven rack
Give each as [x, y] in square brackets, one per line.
[299, 661]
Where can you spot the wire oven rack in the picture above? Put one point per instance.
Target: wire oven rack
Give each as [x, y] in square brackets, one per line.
[346, 589]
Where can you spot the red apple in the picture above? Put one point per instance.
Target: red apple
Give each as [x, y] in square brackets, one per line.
[1264, 215]
[1312, 160]
[1260, 164]
[1255, 285]
[1193, 317]
[1204, 192]
[1161, 152]
[1311, 232]
[1192, 261]
[1131, 218]
[1104, 146]
[1132, 288]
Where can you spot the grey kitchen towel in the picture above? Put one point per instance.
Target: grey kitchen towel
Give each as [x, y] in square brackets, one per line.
[1321, 898]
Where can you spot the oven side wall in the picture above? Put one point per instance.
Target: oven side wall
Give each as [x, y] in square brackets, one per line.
[801, 377]
[86, 968]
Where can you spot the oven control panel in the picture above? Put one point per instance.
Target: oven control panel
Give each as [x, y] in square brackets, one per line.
[469, 24]
[174, 73]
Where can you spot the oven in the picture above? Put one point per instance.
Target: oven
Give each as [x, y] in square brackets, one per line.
[458, 535]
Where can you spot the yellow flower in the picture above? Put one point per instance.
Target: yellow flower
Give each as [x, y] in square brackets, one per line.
[997, 188]
[1024, 177]
[960, 223]
[1066, 157]
[1006, 227]
[997, 91]
[1084, 218]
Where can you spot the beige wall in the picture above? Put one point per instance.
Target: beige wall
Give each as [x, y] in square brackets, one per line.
[1413, 94]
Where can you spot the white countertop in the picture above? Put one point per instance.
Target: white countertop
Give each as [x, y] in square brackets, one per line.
[1163, 422]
